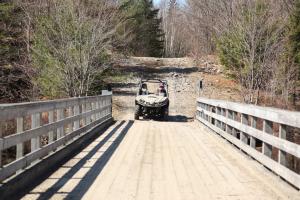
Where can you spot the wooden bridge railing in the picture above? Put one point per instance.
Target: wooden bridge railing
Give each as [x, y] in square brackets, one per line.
[40, 128]
[263, 133]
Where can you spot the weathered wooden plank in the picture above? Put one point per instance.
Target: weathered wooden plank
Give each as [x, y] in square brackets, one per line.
[252, 139]
[282, 154]
[267, 129]
[35, 123]
[20, 127]
[87, 109]
[60, 117]
[76, 113]
[83, 110]
[243, 136]
[51, 120]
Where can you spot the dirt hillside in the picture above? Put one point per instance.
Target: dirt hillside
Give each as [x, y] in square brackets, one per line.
[182, 74]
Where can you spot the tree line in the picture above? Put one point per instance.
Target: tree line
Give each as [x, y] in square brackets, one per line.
[257, 41]
[56, 48]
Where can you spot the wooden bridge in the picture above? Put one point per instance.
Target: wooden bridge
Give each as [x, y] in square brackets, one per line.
[72, 149]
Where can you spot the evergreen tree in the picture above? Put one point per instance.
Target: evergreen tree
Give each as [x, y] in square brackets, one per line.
[294, 35]
[143, 28]
[294, 50]
[15, 73]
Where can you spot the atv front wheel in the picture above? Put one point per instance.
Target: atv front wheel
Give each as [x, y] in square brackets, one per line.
[166, 114]
[137, 112]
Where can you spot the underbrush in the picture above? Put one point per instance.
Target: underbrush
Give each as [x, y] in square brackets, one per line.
[110, 75]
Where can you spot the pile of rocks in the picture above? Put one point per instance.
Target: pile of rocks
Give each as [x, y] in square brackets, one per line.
[211, 68]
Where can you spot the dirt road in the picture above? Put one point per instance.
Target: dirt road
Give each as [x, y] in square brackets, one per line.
[182, 75]
[161, 160]
[176, 159]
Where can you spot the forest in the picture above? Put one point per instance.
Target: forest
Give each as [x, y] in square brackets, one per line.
[59, 48]
[256, 41]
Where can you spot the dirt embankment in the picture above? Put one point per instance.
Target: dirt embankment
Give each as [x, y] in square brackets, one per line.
[183, 76]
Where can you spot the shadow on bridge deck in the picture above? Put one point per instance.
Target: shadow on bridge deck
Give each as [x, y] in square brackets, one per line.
[171, 118]
[162, 161]
[113, 137]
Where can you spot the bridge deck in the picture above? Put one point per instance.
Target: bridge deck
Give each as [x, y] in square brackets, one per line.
[161, 160]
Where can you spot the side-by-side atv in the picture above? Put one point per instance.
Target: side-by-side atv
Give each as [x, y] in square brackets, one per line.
[152, 102]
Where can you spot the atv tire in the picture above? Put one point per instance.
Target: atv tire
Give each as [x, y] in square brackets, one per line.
[137, 112]
[166, 114]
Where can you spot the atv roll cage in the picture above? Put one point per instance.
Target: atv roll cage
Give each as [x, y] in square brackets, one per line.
[144, 81]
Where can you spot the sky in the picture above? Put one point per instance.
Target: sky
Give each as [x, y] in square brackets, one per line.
[156, 2]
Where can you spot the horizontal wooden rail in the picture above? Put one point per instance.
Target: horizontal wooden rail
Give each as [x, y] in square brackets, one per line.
[9, 111]
[67, 119]
[13, 140]
[238, 123]
[272, 114]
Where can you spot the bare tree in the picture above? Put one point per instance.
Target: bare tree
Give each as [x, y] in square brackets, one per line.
[70, 39]
[174, 20]
[257, 27]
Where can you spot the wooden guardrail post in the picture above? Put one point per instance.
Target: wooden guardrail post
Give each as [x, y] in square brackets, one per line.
[1, 135]
[207, 116]
[83, 110]
[97, 107]
[234, 131]
[35, 123]
[88, 108]
[218, 111]
[50, 120]
[77, 122]
[20, 128]
[222, 123]
[102, 105]
[229, 116]
[282, 154]
[70, 114]
[210, 117]
[267, 129]
[93, 105]
[243, 136]
[60, 116]
[252, 139]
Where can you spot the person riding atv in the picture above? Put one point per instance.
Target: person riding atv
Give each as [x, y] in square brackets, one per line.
[152, 104]
[161, 90]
